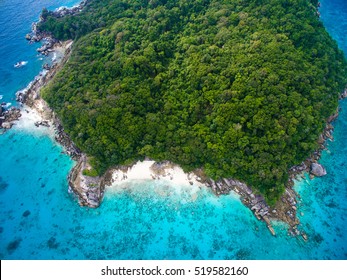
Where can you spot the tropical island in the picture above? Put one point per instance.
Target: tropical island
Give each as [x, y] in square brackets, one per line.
[226, 89]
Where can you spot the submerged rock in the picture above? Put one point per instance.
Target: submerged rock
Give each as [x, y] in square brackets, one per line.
[42, 123]
[52, 243]
[318, 170]
[3, 185]
[13, 245]
[26, 213]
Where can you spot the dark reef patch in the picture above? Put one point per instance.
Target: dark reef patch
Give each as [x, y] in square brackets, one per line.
[52, 243]
[26, 213]
[13, 245]
[332, 204]
[243, 254]
[317, 238]
[51, 192]
[3, 185]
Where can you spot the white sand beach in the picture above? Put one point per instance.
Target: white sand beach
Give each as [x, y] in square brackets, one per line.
[149, 170]
[169, 178]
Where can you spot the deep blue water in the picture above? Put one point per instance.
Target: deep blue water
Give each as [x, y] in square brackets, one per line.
[146, 220]
[16, 17]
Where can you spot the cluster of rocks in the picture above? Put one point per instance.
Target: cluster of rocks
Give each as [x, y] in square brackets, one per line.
[311, 165]
[42, 123]
[35, 35]
[161, 169]
[46, 66]
[50, 42]
[22, 95]
[297, 169]
[344, 94]
[48, 46]
[284, 210]
[316, 11]
[64, 139]
[89, 190]
[255, 202]
[8, 117]
[64, 11]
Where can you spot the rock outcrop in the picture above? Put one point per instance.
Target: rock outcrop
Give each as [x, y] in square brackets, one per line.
[89, 190]
[6, 125]
[64, 11]
[318, 170]
[282, 211]
[8, 117]
[37, 35]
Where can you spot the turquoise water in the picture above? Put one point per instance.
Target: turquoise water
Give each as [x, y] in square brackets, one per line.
[147, 220]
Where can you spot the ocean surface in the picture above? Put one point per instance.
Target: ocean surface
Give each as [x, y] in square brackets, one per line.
[149, 219]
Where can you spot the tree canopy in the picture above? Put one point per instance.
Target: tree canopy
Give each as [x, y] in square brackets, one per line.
[239, 88]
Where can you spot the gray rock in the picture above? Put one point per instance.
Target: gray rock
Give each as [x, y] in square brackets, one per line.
[344, 94]
[6, 125]
[318, 170]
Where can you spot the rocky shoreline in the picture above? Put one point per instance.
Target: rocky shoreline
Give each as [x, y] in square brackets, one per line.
[285, 209]
[37, 35]
[50, 45]
[90, 190]
[86, 189]
[8, 117]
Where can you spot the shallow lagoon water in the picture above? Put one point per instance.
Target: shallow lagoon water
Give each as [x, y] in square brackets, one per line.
[148, 219]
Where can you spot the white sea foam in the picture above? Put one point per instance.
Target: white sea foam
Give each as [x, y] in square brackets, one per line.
[20, 64]
[27, 123]
[54, 57]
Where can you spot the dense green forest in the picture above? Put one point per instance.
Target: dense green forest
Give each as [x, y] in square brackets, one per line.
[239, 88]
